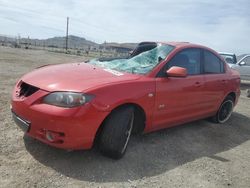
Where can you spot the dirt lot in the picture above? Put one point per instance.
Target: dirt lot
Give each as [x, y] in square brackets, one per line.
[198, 154]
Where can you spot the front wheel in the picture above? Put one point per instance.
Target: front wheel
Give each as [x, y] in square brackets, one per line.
[225, 111]
[116, 132]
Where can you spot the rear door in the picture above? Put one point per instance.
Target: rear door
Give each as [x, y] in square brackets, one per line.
[215, 81]
[179, 100]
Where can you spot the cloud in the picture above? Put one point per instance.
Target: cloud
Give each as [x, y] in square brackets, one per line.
[222, 25]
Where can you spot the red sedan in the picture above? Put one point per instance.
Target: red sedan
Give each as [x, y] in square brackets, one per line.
[73, 106]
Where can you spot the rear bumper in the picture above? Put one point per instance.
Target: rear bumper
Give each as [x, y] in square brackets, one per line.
[75, 127]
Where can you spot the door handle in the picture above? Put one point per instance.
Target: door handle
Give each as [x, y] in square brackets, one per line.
[197, 84]
[223, 81]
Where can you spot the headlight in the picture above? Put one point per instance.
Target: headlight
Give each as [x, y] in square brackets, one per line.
[67, 99]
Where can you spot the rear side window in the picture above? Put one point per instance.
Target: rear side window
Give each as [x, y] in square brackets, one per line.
[212, 64]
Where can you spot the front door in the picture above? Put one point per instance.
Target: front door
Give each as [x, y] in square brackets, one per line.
[216, 80]
[180, 100]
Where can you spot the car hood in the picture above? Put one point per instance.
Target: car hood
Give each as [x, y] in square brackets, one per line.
[74, 77]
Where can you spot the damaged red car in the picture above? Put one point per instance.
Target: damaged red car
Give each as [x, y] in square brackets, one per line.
[160, 85]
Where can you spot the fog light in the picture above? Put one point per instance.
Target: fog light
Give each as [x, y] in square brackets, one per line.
[50, 137]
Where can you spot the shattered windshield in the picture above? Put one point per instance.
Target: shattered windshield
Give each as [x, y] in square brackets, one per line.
[139, 64]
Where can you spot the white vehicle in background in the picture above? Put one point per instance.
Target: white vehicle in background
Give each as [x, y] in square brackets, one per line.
[243, 66]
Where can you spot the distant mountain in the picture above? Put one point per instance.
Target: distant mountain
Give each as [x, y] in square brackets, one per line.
[4, 38]
[73, 42]
[59, 42]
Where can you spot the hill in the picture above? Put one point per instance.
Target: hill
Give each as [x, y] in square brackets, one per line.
[74, 42]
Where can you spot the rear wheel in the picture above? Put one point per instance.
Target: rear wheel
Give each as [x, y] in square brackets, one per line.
[116, 132]
[225, 110]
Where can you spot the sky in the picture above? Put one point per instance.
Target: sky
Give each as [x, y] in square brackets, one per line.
[223, 25]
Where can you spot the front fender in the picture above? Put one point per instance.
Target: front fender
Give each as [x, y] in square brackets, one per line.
[141, 93]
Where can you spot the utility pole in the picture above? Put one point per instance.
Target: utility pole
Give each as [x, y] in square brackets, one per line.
[67, 33]
[19, 39]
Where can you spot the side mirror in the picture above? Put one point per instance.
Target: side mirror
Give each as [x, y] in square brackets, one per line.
[242, 63]
[177, 72]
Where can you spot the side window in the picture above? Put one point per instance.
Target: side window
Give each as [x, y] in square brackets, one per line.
[212, 64]
[189, 59]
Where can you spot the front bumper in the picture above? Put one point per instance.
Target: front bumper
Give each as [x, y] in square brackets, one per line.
[75, 127]
[23, 124]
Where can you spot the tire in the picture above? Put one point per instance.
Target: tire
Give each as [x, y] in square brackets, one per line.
[225, 111]
[116, 132]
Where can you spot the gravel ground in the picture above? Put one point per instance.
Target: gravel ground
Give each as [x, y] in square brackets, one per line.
[198, 154]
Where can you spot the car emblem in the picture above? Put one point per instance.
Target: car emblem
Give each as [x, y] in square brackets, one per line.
[161, 106]
[150, 95]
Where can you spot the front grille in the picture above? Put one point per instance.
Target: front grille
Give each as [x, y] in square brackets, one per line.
[27, 90]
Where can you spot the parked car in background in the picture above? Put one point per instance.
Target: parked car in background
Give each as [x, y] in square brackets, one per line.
[243, 66]
[73, 106]
[230, 58]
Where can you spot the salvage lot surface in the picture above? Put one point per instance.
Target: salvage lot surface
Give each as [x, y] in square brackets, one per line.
[198, 154]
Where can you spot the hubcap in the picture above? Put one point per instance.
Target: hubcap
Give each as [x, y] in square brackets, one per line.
[225, 111]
